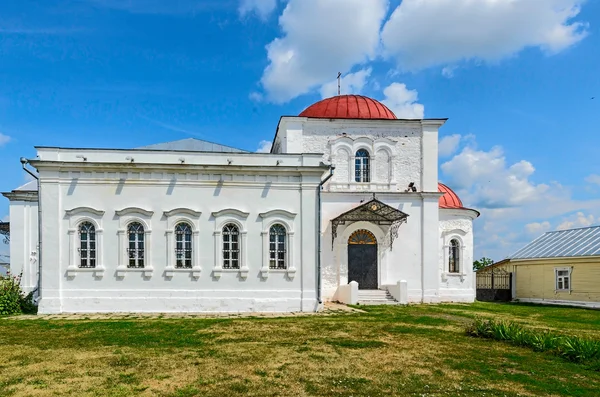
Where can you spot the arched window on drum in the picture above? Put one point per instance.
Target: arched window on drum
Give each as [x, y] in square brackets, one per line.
[454, 257]
[362, 171]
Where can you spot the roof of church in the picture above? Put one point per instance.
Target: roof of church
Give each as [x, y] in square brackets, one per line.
[349, 107]
[450, 200]
[192, 145]
[563, 244]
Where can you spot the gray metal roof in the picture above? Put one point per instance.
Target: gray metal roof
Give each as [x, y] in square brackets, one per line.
[30, 186]
[562, 244]
[193, 145]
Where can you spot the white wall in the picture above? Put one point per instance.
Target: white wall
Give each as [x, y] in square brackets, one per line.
[403, 261]
[105, 189]
[24, 242]
[395, 147]
[457, 224]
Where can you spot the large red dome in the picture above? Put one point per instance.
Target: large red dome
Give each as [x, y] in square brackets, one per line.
[349, 107]
[449, 199]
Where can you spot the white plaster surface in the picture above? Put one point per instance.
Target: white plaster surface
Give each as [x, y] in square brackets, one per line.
[111, 188]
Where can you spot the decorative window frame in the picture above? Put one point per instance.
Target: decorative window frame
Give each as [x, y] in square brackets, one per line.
[458, 235]
[76, 217]
[175, 217]
[126, 216]
[386, 145]
[569, 276]
[286, 219]
[238, 218]
[372, 146]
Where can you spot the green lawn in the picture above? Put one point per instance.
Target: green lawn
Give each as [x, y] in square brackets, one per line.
[387, 350]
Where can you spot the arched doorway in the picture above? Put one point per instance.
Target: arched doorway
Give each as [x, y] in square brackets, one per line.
[362, 259]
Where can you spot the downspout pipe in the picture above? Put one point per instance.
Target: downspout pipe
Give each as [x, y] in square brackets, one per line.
[319, 245]
[24, 163]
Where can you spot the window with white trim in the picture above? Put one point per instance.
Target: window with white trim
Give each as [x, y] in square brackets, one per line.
[454, 256]
[362, 172]
[231, 246]
[563, 279]
[87, 245]
[277, 247]
[135, 251]
[183, 246]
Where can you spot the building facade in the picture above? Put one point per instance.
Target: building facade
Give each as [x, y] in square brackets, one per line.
[560, 267]
[348, 193]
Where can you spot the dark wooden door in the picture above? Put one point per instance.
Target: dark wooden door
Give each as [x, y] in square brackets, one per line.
[362, 265]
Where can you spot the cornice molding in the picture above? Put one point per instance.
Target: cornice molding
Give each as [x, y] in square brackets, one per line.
[186, 211]
[134, 210]
[229, 212]
[84, 210]
[278, 212]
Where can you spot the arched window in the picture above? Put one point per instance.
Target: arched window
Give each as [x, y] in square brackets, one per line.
[183, 246]
[361, 166]
[277, 247]
[135, 232]
[454, 257]
[231, 247]
[87, 245]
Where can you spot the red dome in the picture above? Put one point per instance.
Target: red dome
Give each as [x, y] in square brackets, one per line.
[349, 107]
[449, 199]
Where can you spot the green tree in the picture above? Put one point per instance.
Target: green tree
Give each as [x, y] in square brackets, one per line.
[481, 263]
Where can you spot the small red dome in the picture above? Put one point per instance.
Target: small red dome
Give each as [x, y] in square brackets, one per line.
[449, 199]
[349, 107]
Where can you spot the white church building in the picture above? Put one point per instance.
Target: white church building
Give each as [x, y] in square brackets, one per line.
[348, 193]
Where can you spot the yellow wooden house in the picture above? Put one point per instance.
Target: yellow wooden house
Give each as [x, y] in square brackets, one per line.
[560, 267]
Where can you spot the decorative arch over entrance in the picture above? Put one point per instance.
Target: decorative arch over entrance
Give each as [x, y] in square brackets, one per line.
[362, 259]
[375, 212]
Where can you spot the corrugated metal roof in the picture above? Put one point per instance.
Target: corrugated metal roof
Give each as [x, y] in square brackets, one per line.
[563, 243]
[193, 145]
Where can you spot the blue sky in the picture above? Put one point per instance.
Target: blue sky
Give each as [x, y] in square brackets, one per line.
[515, 79]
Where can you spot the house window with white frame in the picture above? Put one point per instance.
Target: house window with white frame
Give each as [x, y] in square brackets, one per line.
[362, 171]
[563, 279]
[454, 257]
[231, 246]
[183, 246]
[135, 232]
[277, 247]
[87, 245]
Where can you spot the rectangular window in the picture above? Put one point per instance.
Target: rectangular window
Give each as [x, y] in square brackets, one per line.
[563, 279]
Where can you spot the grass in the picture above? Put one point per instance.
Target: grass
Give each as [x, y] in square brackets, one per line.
[388, 350]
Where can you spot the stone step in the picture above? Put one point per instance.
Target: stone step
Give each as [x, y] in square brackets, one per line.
[375, 297]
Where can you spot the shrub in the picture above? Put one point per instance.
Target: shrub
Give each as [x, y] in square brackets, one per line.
[12, 298]
[572, 348]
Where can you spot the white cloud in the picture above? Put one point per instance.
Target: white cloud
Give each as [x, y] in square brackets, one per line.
[6, 218]
[491, 183]
[352, 83]
[319, 39]
[537, 228]
[262, 8]
[4, 139]
[514, 209]
[577, 220]
[264, 147]
[422, 33]
[402, 101]
[448, 145]
[448, 71]
[256, 96]
[594, 179]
